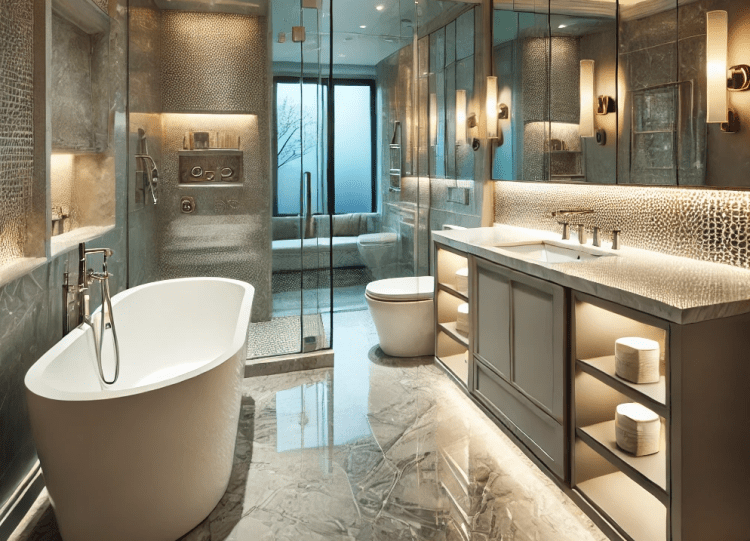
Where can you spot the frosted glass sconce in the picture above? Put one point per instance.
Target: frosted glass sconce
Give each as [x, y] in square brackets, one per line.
[461, 126]
[492, 108]
[591, 105]
[433, 119]
[719, 79]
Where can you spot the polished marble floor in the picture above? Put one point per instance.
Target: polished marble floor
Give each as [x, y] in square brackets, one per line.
[374, 449]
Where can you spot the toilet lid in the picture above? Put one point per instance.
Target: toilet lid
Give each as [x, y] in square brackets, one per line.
[373, 239]
[402, 289]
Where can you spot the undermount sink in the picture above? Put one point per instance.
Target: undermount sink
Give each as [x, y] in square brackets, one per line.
[551, 252]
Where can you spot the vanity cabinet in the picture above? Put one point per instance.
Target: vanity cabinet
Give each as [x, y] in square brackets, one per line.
[542, 365]
[519, 345]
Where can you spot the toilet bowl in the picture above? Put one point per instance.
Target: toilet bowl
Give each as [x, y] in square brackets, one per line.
[378, 252]
[403, 312]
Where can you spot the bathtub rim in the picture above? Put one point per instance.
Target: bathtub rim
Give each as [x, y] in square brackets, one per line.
[34, 378]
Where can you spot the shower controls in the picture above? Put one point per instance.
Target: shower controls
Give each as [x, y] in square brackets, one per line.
[187, 204]
[214, 166]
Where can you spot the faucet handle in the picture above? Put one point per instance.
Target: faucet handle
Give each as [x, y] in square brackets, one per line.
[616, 239]
[565, 231]
[597, 238]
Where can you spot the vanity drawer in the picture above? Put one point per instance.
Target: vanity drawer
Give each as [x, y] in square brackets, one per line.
[535, 428]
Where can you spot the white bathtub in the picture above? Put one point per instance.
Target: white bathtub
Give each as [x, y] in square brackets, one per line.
[149, 457]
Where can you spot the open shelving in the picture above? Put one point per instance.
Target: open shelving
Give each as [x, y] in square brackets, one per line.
[632, 492]
[451, 345]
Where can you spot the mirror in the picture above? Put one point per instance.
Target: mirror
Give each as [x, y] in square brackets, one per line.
[537, 53]
[452, 103]
[648, 74]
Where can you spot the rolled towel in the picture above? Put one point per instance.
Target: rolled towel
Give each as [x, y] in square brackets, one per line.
[637, 359]
[462, 281]
[637, 429]
[462, 318]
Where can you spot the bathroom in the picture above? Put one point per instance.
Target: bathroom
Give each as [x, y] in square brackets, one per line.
[241, 140]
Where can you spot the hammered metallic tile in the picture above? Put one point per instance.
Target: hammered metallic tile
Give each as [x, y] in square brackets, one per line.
[16, 128]
[213, 62]
[707, 225]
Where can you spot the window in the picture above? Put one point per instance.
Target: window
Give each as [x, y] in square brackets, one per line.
[302, 146]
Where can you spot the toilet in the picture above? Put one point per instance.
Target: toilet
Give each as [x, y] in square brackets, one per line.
[378, 251]
[403, 312]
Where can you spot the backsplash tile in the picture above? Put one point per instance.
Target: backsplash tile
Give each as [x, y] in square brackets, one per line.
[708, 225]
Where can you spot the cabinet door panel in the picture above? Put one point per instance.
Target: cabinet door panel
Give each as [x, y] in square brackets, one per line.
[533, 343]
[493, 318]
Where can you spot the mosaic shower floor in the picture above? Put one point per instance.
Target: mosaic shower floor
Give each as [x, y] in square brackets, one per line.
[283, 335]
[373, 449]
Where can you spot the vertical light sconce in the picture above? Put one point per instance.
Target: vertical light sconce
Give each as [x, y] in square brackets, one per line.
[719, 79]
[433, 119]
[592, 105]
[586, 126]
[492, 111]
[461, 126]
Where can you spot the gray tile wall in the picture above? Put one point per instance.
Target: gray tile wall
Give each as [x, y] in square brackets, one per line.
[31, 306]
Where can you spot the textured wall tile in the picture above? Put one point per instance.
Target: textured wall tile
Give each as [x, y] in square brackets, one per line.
[16, 127]
[144, 60]
[229, 234]
[213, 62]
[708, 225]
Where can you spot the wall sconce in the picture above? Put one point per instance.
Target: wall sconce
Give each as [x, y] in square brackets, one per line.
[591, 105]
[461, 126]
[492, 109]
[719, 79]
[503, 113]
[433, 119]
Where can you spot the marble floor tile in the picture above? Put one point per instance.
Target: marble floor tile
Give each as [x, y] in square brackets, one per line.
[375, 449]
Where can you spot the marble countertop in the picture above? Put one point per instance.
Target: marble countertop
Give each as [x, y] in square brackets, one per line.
[677, 289]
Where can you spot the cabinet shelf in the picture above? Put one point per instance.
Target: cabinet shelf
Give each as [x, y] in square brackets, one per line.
[458, 364]
[651, 395]
[449, 327]
[453, 291]
[648, 471]
[629, 506]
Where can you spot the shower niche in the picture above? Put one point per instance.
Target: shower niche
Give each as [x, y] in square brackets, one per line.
[81, 174]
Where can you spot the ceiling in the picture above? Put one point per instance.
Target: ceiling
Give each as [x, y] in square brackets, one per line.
[363, 35]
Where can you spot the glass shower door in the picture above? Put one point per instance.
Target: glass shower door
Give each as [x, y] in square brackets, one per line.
[301, 268]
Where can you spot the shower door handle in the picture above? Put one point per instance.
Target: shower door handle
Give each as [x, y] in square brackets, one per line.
[308, 206]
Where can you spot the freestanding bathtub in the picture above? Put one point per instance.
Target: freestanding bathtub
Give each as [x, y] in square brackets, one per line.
[150, 456]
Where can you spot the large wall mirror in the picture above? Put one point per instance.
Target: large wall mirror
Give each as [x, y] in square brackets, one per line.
[605, 92]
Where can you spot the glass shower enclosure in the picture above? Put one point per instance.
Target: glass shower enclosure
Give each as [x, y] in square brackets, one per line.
[203, 107]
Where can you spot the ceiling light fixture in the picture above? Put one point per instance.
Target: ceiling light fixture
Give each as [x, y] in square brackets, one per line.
[363, 26]
[380, 7]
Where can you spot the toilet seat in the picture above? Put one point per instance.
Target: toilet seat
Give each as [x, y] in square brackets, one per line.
[411, 288]
[377, 239]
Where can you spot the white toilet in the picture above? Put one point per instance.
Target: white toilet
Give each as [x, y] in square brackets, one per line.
[403, 312]
[378, 251]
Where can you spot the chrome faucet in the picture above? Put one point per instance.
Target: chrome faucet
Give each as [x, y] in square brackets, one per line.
[86, 277]
[566, 224]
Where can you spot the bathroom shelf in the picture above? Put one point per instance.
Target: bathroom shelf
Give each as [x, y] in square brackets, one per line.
[634, 510]
[648, 471]
[450, 289]
[450, 329]
[458, 364]
[651, 395]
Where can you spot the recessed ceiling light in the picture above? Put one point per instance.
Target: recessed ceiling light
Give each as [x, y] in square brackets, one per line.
[562, 26]
[363, 26]
[380, 7]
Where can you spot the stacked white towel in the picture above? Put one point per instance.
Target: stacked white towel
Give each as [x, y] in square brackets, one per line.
[462, 318]
[637, 359]
[462, 281]
[637, 429]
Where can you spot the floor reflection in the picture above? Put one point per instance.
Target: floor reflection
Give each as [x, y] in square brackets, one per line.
[379, 450]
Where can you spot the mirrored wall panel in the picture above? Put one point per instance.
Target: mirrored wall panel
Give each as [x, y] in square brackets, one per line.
[608, 92]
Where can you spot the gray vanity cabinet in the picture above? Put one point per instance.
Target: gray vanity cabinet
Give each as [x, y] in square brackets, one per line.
[519, 356]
